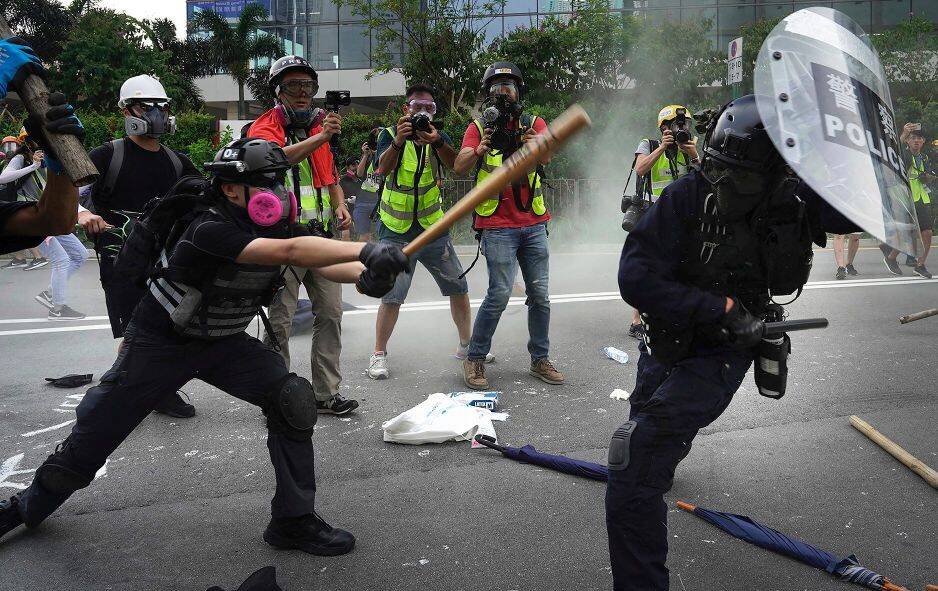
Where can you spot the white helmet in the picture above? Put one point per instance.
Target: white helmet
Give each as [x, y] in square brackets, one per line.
[141, 87]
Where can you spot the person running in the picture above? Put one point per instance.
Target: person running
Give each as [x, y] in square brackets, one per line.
[133, 170]
[19, 182]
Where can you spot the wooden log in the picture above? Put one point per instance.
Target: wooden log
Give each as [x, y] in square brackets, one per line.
[896, 451]
[918, 316]
[68, 149]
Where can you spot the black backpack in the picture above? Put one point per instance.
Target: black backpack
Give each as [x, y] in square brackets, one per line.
[160, 226]
[102, 190]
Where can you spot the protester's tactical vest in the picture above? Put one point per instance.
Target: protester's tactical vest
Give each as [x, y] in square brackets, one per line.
[919, 191]
[410, 190]
[218, 306]
[661, 174]
[768, 253]
[492, 161]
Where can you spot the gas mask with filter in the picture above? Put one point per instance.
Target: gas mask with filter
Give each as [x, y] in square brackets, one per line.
[150, 119]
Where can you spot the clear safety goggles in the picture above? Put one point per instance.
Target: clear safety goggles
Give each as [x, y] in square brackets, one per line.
[297, 87]
[144, 106]
[504, 87]
[417, 106]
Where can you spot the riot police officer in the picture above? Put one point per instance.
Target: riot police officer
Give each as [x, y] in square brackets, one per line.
[205, 290]
[701, 267]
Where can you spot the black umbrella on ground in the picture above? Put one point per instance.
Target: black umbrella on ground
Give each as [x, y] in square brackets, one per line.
[528, 455]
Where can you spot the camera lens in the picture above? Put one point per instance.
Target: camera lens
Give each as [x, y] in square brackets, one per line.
[631, 218]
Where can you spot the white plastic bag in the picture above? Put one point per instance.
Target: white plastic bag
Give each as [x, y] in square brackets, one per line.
[440, 418]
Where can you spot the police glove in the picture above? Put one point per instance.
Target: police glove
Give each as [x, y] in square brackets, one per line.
[741, 329]
[384, 259]
[62, 120]
[374, 285]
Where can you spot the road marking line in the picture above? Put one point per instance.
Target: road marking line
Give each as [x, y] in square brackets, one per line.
[47, 429]
[430, 306]
[44, 320]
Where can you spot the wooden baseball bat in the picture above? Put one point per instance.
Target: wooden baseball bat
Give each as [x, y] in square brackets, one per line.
[517, 165]
[918, 316]
[68, 149]
[896, 451]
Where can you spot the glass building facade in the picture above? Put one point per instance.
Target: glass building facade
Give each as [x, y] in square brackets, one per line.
[332, 38]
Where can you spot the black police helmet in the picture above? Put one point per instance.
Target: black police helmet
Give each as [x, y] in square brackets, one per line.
[286, 64]
[737, 137]
[249, 161]
[503, 69]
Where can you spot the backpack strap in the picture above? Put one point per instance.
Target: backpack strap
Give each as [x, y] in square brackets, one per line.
[105, 186]
[174, 158]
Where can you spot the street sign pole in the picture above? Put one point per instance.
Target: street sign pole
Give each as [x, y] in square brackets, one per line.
[734, 65]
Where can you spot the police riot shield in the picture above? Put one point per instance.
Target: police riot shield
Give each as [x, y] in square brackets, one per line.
[823, 97]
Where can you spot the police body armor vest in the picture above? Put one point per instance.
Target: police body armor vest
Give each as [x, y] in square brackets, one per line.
[217, 306]
[768, 253]
[493, 159]
[919, 191]
[411, 192]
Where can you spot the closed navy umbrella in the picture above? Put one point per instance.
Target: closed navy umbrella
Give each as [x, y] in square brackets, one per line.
[744, 528]
[528, 455]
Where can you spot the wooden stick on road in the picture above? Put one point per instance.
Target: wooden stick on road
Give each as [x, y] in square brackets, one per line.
[918, 316]
[896, 451]
[517, 165]
[68, 149]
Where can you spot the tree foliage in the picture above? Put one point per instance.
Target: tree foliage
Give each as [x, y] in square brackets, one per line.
[232, 47]
[444, 43]
[909, 54]
[44, 24]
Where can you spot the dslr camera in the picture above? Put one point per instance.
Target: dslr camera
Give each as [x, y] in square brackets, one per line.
[634, 206]
[420, 122]
[680, 127]
[497, 115]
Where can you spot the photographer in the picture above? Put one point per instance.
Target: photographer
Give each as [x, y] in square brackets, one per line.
[295, 125]
[513, 225]
[923, 182]
[412, 156]
[660, 163]
[371, 180]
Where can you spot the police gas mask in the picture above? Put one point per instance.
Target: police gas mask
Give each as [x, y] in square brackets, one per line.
[737, 190]
[150, 119]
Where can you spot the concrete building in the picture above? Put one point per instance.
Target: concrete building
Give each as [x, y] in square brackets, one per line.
[338, 44]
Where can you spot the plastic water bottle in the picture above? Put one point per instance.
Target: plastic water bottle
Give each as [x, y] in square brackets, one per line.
[616, 354]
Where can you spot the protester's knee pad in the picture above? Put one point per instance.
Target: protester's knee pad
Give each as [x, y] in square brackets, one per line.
[292, 408]
[619, 447]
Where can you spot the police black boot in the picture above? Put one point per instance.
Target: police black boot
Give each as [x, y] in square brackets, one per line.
[173, 405]
[309, 533]
[10, 517]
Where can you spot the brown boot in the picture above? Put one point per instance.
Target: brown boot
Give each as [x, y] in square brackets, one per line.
[473, 373]
[546, 372]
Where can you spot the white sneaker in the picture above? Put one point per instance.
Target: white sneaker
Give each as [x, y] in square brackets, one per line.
[463, 352]
[378, 366]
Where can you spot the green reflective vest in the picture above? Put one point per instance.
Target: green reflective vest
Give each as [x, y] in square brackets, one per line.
[661, 175]
[493, 159]
[372, 183]
[410, 190]
[919, 191]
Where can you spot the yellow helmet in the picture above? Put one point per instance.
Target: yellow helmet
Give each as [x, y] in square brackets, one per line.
[668, 113]
[22, 135]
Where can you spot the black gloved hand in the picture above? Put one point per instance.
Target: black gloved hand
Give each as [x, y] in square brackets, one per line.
[374, 285]
[384, 259]
[62, 119]
[743, 330]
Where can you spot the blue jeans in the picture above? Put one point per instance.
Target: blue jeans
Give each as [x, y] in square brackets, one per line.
[66, 254]
[506, 249]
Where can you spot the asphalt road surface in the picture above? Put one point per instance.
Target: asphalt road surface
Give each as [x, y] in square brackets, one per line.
[182, 503]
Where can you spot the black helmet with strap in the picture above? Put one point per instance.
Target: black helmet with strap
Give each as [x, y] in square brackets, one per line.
[286, 64]
[503, 69]
[249, 161]
[736, 137]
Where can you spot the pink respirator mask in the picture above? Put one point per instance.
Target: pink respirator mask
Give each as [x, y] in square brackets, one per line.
[266, 208]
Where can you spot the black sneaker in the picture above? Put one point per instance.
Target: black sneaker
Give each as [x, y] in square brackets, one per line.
[892, 266]
[336, 405]
[10, 517]
[15, 264]
[63, 312]
[637, 331]
[309, 533]
[841, 273]
[921, 271]
[45, 298]
[885, 248]
[174, 406]
[910, 261]
[852, 271]
[36, 263]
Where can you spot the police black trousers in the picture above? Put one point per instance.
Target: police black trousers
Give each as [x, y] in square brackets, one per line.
[668, 407]
[149, 366]
[120, 295]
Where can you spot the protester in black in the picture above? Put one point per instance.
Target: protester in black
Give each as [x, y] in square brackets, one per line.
[133, 170]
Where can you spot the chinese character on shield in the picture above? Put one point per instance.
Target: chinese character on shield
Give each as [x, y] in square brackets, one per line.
[845, 95]
[889, 126]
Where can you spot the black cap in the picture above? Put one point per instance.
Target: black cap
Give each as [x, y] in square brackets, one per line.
[249, 161]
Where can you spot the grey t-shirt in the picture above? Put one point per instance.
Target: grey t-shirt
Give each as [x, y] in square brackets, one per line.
[644, 147]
